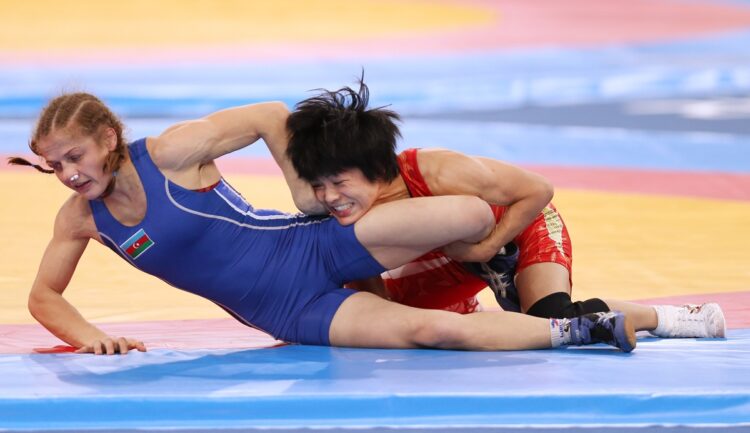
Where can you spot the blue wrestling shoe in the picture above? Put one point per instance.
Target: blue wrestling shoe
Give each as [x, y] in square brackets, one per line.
[499, 273]
[613, 328]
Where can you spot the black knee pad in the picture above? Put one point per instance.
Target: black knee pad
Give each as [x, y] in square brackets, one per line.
[559, 306]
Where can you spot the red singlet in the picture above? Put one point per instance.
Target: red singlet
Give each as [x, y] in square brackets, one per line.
[436, 281]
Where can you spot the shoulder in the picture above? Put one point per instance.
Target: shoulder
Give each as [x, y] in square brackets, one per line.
[450, 172]
[74, 219]
[171, 150]
[434, 163]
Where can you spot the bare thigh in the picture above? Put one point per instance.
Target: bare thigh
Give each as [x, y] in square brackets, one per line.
[397, 232]
[367, 320]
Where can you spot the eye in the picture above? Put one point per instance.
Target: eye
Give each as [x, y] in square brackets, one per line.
[54, 166]
[74, 158]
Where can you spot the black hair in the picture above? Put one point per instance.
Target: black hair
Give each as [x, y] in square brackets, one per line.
[335, 131]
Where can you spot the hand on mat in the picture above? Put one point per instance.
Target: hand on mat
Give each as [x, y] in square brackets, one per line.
[109, 346]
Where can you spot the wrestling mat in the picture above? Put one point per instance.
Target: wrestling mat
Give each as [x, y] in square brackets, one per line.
[638, 111]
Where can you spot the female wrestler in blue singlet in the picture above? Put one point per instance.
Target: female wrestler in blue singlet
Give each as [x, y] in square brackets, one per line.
[280, 273]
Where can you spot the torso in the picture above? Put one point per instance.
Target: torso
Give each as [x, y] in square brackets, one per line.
[544, 240]
[433, 280]
[129, 208]
[216, 245]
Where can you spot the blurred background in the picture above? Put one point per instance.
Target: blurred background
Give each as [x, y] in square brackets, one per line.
[638, 111]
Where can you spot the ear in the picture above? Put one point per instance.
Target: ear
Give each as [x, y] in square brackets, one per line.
[110, 139]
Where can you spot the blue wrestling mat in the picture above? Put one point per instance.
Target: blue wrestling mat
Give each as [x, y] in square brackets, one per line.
[675, 104]
[702, 384]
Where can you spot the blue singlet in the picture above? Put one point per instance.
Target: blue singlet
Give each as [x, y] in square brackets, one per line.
[277, 272]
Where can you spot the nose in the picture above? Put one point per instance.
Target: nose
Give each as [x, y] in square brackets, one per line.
[68, 171]
[330, 195]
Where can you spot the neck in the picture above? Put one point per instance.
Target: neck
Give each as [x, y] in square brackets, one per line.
[124, 184]
[393, 190]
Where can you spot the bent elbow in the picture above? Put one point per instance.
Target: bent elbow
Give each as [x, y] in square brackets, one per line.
[305, 200]
[547, 190]
[35, 304]
[308, 205]
[539, 191]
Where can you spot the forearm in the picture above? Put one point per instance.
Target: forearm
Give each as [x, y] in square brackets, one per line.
[56, 314]
[520, 213]
[277, 140]
[515, 219]
[304, 199]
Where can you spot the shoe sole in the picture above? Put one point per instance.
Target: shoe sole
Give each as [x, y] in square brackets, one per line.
[630, 338]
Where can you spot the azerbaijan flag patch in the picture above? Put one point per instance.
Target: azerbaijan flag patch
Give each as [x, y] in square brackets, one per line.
[137, 244]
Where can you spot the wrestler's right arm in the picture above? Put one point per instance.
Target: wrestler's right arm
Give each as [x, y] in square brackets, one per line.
[46, 303]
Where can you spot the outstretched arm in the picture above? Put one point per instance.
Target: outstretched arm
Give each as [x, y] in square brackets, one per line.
[197, 143]
[47, 304]
[524, 193]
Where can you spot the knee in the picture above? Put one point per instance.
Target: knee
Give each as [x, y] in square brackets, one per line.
[479, 217]
[559, 306]
[441, 331]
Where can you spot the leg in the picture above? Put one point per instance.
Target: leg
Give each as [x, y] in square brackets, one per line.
[643, 316]
[540, 280]
[365, 320]
[687, 321]
[397, 232]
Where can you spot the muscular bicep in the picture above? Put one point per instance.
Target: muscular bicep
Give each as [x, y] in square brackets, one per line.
[200, 141]
[60, 257]
[494, 181]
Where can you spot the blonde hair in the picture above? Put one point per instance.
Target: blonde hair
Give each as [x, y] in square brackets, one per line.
[83, 113]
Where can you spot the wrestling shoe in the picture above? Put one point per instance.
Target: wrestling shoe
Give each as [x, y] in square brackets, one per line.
[612, 327]
[499, 273]
[690, 321]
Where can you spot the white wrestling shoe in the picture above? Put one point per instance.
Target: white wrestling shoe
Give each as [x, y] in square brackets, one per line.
[690, 321]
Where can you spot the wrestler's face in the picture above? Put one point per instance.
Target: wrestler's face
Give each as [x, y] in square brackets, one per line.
[347, 195]
[78, 160]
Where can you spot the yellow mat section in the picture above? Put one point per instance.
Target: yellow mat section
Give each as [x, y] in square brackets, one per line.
[51, 25]
[625, 246]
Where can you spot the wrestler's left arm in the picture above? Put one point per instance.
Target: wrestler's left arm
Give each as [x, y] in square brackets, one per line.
[197, 143]
[524, 193]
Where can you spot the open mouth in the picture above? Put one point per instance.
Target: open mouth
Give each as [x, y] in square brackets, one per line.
[342, 210]
[82, 186]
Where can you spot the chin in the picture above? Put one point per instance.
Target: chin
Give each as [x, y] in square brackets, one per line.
[347, 220]
[344, 221]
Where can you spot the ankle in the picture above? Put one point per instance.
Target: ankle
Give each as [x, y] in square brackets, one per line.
[560, 332]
